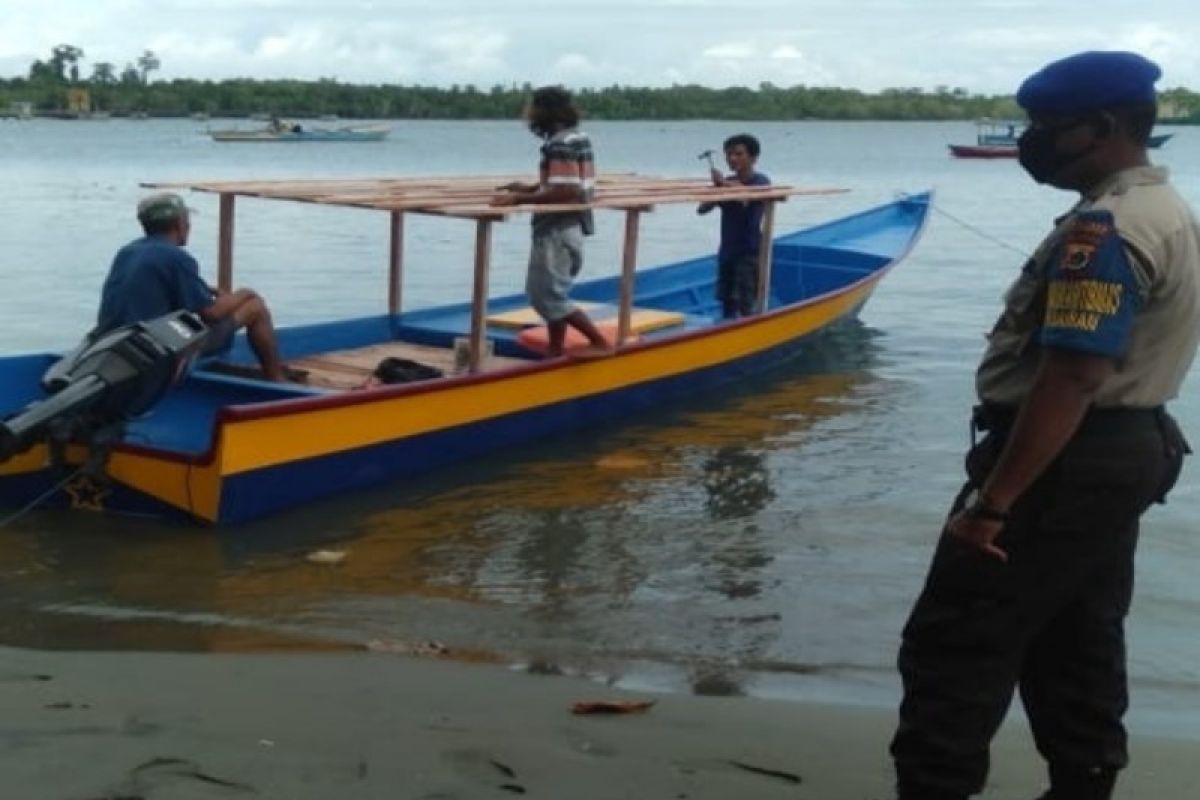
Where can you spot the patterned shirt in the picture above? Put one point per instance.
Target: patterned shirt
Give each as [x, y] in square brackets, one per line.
[567, 161]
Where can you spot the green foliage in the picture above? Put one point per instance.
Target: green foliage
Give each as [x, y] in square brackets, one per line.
[132, 92]
[129, 93]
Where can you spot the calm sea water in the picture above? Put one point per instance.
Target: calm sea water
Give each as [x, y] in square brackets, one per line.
[769, 541]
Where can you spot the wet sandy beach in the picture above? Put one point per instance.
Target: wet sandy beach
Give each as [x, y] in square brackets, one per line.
[103, 726]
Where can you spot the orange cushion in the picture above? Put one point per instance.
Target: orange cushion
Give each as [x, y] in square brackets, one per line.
[537, 338]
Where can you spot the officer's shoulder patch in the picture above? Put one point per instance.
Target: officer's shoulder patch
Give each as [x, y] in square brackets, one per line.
[1085, 233]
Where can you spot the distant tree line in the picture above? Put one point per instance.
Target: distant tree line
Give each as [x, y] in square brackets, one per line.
[56, 84]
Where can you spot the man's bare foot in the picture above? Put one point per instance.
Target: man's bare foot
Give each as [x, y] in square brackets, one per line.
[287, 375]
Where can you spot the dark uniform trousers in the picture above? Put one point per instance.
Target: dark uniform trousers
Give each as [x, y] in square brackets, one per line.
[1050, 621]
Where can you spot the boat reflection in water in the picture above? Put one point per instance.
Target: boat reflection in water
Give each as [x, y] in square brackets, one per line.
[647, 549]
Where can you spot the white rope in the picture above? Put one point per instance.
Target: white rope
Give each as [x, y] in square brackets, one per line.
[979, 232]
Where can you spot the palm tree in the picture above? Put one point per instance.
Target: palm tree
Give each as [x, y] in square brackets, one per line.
[103, 74]
[147, 63]
[103, 77]
[64, 57]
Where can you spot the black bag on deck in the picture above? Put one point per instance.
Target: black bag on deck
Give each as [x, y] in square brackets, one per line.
[403, 370]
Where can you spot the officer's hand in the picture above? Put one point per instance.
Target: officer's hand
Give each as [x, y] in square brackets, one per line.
[977, 532]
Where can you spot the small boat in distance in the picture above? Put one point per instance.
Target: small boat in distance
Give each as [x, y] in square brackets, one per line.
[993, 139]
[998, 139]
[284, 131]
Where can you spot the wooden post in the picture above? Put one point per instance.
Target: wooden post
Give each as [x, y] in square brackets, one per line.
[764, 255]
[628, 273]
[479, 294]
[396, 263]
[225, 244]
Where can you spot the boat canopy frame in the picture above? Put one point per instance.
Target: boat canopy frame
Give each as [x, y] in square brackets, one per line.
[469, 198]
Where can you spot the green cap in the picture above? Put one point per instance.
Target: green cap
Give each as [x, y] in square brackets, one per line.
[162, 208]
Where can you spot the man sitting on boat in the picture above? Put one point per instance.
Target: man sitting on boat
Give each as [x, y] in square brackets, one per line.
[284, 126]
[154, 275]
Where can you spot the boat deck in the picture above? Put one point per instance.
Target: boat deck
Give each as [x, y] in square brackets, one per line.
[437, 327]
[349, 369]
[339, 356]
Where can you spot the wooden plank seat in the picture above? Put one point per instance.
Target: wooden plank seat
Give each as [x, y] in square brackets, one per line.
[524, 317]
[350, 369]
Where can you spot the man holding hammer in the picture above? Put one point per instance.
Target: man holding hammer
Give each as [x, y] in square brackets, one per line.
[741, 227]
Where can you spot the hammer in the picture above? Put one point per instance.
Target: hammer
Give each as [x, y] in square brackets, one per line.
[708, 154]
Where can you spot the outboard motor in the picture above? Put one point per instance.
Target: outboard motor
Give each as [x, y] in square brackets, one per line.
[105, 381]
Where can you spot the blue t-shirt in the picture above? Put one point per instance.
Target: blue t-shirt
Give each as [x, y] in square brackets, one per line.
[741, 223]
[150, 277]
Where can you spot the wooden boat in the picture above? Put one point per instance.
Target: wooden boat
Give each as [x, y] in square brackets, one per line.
[226, 448]
[301, 133]
[998, 139]
[993, 139]
[983, 151]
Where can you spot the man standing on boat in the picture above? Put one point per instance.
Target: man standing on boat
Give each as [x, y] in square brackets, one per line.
[154, 275]
[1033, 575]
[566, 176]
[741, 229]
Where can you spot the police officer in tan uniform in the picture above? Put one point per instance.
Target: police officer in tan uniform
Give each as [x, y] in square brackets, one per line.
[1033, 574]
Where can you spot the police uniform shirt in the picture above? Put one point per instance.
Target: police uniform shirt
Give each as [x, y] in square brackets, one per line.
[1120, 277]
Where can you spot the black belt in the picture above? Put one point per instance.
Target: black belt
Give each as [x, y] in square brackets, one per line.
[999, 418]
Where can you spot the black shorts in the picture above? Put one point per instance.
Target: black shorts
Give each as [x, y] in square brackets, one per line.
[220, 337]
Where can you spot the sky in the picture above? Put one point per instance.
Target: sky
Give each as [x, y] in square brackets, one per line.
[983, 46]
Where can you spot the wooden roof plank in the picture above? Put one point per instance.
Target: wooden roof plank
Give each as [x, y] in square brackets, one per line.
[470, 196]
[320, 184]
[628, 202]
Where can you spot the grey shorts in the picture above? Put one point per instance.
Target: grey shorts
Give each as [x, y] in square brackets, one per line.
[554, 260]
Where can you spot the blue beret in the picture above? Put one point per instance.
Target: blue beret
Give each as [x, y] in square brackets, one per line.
[1090, 81]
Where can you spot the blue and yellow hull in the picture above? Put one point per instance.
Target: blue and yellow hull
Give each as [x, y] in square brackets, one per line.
[264, 457]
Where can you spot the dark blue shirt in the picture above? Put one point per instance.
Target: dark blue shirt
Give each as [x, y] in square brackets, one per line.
[150, 277]
[741, 223]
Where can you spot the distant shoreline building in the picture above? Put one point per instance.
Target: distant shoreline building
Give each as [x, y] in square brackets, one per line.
[18, 109]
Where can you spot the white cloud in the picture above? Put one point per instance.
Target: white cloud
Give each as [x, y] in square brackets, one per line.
[786, 52]
[470, 49]
[1018, 39]
[986, 46]
[1156, 41]
[298, 42]
[730, 51]
[574, 68]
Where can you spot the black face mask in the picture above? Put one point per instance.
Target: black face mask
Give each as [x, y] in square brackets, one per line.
[1038, 155]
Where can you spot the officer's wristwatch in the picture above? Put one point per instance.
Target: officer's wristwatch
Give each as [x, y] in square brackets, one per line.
[977, 505]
